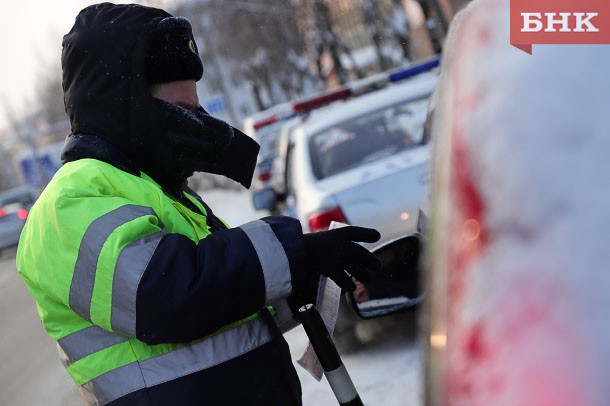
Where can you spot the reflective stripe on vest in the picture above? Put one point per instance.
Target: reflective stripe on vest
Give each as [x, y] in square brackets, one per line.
[153, 371]
[86, 342]
[128, 271]
[272, 258]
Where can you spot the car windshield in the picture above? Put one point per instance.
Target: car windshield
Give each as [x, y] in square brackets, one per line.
[367, 138]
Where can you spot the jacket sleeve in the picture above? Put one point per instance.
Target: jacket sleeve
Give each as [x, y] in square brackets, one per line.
[189, 290]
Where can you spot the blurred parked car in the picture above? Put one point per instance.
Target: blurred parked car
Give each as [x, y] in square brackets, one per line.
[278, 182]
[264, 128]
[15, 205]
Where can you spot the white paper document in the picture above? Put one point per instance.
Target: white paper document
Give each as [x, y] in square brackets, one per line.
[327, 303]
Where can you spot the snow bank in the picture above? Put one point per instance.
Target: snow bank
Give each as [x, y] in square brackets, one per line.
[233, 206]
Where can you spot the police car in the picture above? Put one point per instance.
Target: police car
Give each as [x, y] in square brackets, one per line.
[366, 162]
[363, 162]
[279, 124]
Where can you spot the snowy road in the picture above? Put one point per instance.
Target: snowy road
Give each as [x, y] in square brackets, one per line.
[385, 372]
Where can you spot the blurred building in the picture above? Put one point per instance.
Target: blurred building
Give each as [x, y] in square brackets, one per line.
[30, 153]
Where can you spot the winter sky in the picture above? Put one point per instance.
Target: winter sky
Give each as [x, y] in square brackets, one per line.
[31, 33]
[30, 44]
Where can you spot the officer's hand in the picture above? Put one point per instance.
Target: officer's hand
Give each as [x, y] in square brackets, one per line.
[333, 252]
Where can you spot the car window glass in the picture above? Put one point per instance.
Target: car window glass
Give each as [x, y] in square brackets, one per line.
[368, 138]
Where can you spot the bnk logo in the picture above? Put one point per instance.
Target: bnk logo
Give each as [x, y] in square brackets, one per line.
[533, 22]
[559, 22]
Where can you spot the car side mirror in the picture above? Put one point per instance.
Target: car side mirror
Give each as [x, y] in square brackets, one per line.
[264, 199]
[394, 287]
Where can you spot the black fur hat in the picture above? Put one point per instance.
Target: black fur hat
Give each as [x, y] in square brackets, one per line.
[172, 53]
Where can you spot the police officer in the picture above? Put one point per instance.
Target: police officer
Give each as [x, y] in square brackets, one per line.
[152, 299]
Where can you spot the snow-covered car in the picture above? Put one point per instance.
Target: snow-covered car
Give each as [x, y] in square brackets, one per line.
[14, 208]
[517, 307]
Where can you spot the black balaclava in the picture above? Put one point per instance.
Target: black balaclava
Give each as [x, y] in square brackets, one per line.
[110, 57]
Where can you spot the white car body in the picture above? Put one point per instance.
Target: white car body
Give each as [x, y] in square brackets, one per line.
[387, 193]
[266, 136]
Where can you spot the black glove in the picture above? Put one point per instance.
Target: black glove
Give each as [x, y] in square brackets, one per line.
[333, 252]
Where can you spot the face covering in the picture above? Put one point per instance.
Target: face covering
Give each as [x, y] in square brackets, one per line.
[201, 143]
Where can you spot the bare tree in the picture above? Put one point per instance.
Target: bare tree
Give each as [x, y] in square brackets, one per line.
[258, 42]
[375, 25]
[49, 95]
[8, 174]
[326, 40]
[400, 29]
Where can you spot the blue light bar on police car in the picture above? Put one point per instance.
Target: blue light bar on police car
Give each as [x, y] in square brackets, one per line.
[414, 70]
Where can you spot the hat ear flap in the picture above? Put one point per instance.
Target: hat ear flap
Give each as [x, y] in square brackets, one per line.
[172, 53]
